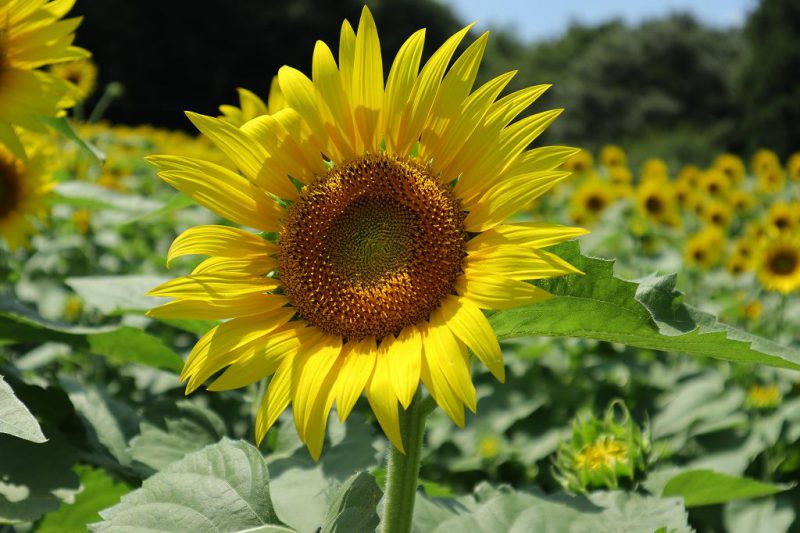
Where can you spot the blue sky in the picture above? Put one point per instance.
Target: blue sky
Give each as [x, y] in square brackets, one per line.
[538, 19]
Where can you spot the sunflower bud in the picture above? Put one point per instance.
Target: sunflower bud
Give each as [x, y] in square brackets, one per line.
[603, 451]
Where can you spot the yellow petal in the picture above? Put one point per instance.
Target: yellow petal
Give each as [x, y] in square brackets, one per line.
[261, 362]
[358, 361]
[424, 93]
[448, 356]
[276, 398]
[438, 386]
[367, 82]
[312, 366]
[222, 241]
[383, 401]
[527, 234]
[332, 101]
[247, 156]
[469, 324]
[518, 263]
[236, 267]
[399, 85]
[214, 287]
[219, 309]
[489, 291]
[221, 190]
[347, 53]
[508, 197]
[228, 342]
[405, 358]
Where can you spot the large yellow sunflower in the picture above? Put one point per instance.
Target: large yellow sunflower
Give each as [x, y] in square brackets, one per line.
[23, 189]
[32, 36]
[387, 203]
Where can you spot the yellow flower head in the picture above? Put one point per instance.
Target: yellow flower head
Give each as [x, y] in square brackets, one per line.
[777, 264]
[24, 186]
[763, 161]
[388, 203]
[657, 202]
[741, 201]
[580, 163]
[771, 180]
[784, 217]
[718, 213]
[33, 36]
[612, 155]
[590, 199]
[656, 170]
[620, 175]
[605, 452]
[763, 396]
[793, 166]
[704, 249]
[714, 183]
[689, 174]
[732, 166]
[81, 74]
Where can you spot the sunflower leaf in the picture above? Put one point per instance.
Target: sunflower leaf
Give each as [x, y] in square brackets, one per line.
[648, 315]
[15, 418]
[224, 487]
[706, 487]
[63, 126]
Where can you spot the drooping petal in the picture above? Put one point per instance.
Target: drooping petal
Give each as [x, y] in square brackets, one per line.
[223, 241]
[383, 401]
[404, 355]
[219, 308]
[358, 361]
[490, 291]
[470, 326]
[448, 356]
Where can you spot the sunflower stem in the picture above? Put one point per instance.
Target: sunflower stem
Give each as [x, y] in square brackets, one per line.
[403, 469]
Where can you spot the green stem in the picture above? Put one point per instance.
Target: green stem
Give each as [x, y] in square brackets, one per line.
[403, 469]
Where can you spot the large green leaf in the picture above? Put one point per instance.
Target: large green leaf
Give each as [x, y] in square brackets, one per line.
[34, 478]
[173, 431]
[705, 487]
[649, 315]
[354, 508]
[98, 492]
[15, 418]
[223, 487]
[491, 510]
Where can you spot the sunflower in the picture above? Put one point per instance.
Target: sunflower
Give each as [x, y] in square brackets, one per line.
[32, 36]
[251, 106]
[778, 264]
[793, 166]
[81, 74]
[741, 201]
[657, 202]
[580, 163]
[704, 249]
[764, 160]
[689, 174]
[730, 165]
[387, 204]
[655, 169]
[713, 182]
[23, 190]
[590, 200]
[718, 213]
[771, 180]
[612, 155]
[620, 175]
[784, 217]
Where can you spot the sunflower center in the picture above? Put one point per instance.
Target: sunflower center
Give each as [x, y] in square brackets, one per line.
[372, 247]
[595, 203]
[9, 184]
[653, 205]
[781, 222]
[784, 262]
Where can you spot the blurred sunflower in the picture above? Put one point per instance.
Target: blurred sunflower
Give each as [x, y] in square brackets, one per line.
[81, 74]
[771, 180]
[590, 199]
[24, 186]
[32, 36]
[689, 174]
[704, 248]
[655, 169]
[390, 234]
[251, 106]
[656, 201]
[736, 265]
[741, 201]
[612, 155]
[718, 213]
[730, 165]
[620, 175]
[715, 183]
[580, 163]
[784, 216]
[763, 161]
[777, 264]
[793, 166]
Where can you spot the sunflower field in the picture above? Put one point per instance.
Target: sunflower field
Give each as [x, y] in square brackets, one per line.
[368, 297]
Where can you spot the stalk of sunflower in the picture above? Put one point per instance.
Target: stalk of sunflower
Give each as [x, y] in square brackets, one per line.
[389, 203]
[33, 36]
